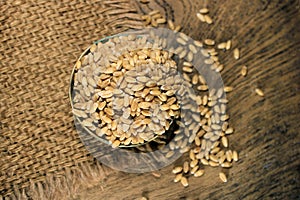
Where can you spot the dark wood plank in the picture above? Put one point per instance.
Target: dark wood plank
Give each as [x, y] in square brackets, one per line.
[267, 130]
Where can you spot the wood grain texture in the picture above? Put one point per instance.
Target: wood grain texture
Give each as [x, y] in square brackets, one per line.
[266, 129]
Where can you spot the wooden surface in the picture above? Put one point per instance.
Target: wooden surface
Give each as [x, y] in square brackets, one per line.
[266, 130]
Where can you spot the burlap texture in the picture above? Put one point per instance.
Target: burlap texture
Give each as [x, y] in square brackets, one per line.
[40, 41]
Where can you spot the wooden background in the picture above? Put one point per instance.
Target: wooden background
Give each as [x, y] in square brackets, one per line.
[266, 129]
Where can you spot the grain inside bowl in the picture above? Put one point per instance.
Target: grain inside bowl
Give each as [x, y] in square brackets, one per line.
[130, 90]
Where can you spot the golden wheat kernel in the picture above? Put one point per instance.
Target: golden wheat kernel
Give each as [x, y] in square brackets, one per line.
[209, 42]
[153, 12]
[236, 53]
[195, 79]
[190, 56]
[177, 28]
[202, 87]
[212, 103]
[161, 20]
[226, 165]
[222, 45]
[222, 158]
[228, 155]
[153, 22]
[259, 92]
[184, 181]
[198, 43]
[208, 19]
[219, 68]
[213, 164]
[224, 117]
[177, 170]
[229, 130]
[187, 69]
[194, 169]
[156, 174]
[106, 119]
[174, 107]
[201, 17]
[177, 178]
[244, 70]
[228, 89]
[192, 48]
[188, 64]
[115, 144]
[204, 161]
[193, 163]
[192, 155]
[215, 149]
[182, 54]
[224, 141]
[235, 156]
[184, 150]
[213, 158]
[186, 167]
[184, 36]
[214, 66]
[201, 79]
[197, 141]
[223, 177]
[204, 52]
[171, 24]
[169, 154]
[199, 173]
[209, 61]
[181, 41]
[228, 45]
[203, 11]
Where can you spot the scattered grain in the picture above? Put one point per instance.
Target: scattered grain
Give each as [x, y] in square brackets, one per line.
[177, 170]
[228, 45]
[208, 19]
[228, 89]
[236, 53]
[203, 11]
[226, 165]
[224, 141]
[156, 174]
[259, 92]
[184, 181]
[235, 156]
[186, 167]
[223, 177]
[201, 17]
[222, 45]
[177, 178]
[244, 70]
[209, 42]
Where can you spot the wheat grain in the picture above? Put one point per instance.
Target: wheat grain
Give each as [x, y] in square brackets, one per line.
[184, 181]
[223, 177]
[235, 156]
[203, 11]
[244, 70]
[209, 42]
[208, 19]
[201, 17]
[236, 53]
[259, 92]
[177, 178]
[177, 170]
